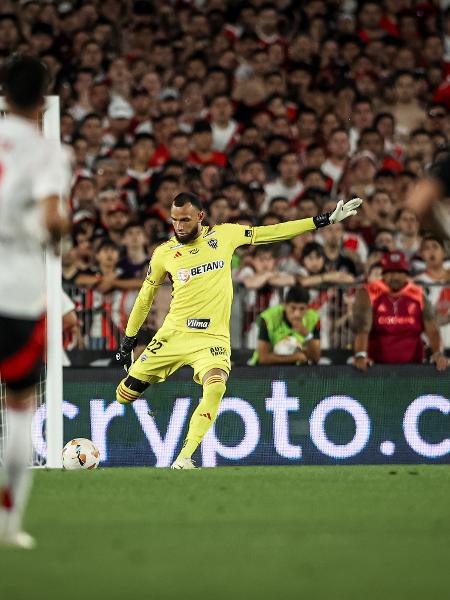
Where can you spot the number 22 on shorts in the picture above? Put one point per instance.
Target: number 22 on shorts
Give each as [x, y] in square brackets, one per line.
[154, 346]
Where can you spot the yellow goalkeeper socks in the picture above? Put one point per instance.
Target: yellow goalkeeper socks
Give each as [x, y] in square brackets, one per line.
[204, 415]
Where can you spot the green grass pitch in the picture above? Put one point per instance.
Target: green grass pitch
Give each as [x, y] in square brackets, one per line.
[275, 533]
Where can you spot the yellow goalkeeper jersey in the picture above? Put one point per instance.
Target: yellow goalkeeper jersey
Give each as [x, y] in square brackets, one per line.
[200, 272]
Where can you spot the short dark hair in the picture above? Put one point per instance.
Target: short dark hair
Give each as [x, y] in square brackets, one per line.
[107, 243]
[132, 225]
[25, 80]
[187, 198]
[265, 249]
[311, 247]
[297, 293]
[431, 237]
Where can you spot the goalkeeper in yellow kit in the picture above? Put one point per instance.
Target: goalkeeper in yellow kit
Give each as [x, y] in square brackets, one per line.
[196, 329]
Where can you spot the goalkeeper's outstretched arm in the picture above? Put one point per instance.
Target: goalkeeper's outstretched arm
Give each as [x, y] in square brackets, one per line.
[266, 234]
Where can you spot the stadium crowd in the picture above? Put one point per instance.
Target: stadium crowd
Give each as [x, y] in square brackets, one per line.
[268, 111]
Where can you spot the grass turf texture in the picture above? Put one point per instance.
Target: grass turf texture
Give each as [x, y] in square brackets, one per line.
[265, 533]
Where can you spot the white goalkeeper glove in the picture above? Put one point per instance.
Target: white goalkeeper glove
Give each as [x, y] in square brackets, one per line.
[342, 211]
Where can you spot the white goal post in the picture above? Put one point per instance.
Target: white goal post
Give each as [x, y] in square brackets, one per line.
[50, 454]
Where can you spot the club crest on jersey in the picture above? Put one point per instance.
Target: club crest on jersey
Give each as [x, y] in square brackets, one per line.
[185, 274]
[213, 243]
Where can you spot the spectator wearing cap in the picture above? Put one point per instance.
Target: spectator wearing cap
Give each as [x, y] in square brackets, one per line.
[256, 197]
[389, 318]
[169, 101]
[106, 199]
[359, 178]
[202, 147]
[115, 220]
[437, 273]
[85, 219]
[224, 128]
[120, 114]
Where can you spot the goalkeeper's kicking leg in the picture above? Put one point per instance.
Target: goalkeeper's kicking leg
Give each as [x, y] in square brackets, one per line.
[214, 385]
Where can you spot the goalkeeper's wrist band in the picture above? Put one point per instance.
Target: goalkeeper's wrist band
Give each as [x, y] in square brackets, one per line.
[361, 354]
[322, 220]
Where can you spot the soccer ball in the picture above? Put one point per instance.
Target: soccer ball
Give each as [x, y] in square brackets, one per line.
[80, 453]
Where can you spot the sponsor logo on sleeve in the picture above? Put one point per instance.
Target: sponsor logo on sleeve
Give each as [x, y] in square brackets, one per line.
[198, 323]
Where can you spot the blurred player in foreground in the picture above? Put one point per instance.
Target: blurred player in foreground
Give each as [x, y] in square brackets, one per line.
[33, 174]
[196, 330]
[430, 197]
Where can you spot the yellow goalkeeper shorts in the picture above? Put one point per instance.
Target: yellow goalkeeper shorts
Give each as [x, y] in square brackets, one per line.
[168, 351]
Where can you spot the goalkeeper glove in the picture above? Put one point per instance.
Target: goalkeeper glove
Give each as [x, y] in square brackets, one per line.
[125, 354]
[341, 212]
